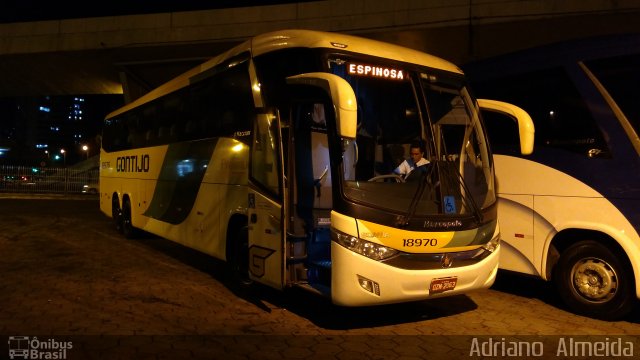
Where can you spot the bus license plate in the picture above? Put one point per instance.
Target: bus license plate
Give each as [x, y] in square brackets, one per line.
[442, 285]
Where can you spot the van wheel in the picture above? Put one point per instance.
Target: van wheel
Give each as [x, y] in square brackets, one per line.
[116, 214]
[595, 281]
[238, 258]
[127, 227]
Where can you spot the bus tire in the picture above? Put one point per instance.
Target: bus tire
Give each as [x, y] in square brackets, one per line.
[595, 281]
[238, 258]
[116, 214]
[127, 226]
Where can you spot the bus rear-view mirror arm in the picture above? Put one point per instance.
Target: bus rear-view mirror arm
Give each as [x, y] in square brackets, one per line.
[525, 123]
[341, 94]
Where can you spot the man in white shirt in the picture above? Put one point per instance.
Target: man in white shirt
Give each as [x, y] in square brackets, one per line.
[415, 160]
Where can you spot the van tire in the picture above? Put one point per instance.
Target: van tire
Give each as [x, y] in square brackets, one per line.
[595, 280]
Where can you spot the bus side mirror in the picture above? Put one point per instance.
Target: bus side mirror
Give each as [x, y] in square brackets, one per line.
[342, 96]
[525, 123]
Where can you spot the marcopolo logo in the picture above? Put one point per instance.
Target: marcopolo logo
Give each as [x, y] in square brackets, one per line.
[25, 347]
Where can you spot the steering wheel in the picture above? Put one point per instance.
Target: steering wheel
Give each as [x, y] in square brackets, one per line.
[396, 177]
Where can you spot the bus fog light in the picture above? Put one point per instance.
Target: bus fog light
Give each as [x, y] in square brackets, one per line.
[369, 285]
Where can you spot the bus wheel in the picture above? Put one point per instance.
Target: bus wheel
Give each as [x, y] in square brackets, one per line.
[116, 214]
[595, 281]
[238, 258]
[127, 227]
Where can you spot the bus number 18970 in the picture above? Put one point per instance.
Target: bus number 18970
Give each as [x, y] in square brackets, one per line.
[419, 242]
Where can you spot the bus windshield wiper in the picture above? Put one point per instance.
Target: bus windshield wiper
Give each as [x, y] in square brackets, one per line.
[466, 198]
[453, 179]
[404, 220]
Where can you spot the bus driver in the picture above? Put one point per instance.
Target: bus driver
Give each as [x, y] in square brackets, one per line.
[415, 160]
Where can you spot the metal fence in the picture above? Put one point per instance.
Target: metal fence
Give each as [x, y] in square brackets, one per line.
[26, 179]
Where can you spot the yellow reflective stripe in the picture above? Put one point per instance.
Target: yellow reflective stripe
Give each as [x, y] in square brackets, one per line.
[414, 241]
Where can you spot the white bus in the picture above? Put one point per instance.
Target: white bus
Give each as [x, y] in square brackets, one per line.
[570, 212]
[277, 157]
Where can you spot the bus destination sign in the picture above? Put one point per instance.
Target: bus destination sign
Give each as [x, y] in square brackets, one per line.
[375, 71]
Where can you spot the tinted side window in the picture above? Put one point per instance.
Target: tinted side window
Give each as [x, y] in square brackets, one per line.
[273, 68]
[559, 113]
[621, 76]
[219, 103]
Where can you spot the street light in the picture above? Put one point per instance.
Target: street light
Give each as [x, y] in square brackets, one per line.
[64, 155]
[85, 148]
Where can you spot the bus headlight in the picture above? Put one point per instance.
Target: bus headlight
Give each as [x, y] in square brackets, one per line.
[366, 248]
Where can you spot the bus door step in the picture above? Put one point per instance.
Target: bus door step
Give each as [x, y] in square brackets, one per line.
[296, 259]
[297, 249]
[319, 289]
[319, 272]
[294, 239]
[323, 264]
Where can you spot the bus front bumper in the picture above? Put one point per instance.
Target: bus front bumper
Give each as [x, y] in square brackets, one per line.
[359, 281]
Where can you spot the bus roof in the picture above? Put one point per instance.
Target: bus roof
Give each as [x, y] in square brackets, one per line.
[283, 39]
[317, 39]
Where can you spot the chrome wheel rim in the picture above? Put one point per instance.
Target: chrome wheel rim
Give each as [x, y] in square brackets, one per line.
[594, 279]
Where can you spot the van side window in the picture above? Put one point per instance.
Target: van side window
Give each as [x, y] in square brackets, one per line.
[561, 117]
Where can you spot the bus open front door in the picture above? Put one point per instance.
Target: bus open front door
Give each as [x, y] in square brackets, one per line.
[265, 208]
[322, 105]
[290, 198]
[290, 194]
[309, 259]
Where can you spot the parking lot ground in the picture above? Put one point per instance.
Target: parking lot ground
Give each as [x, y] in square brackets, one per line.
[68, 278]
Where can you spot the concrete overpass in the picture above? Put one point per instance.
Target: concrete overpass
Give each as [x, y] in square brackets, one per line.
[134, 53]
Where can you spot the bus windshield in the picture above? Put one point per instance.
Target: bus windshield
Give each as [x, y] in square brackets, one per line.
[420, 148]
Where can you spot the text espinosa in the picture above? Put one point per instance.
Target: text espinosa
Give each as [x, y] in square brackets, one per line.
[376, 71]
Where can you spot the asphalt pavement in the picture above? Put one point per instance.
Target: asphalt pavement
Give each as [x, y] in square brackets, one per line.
[72, 287]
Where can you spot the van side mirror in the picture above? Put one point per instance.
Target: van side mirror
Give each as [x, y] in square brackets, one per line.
[525, 123]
